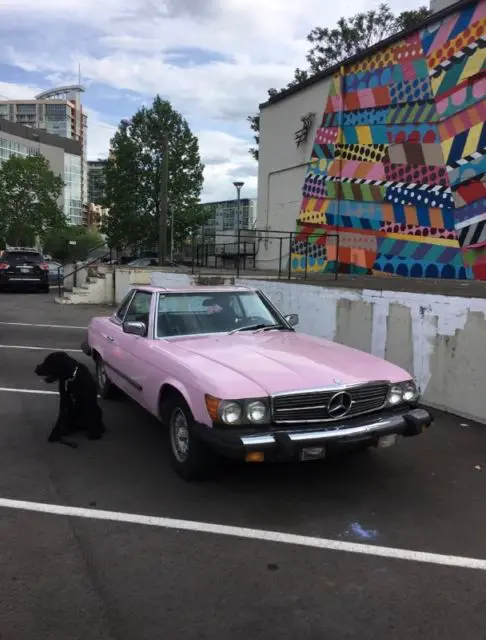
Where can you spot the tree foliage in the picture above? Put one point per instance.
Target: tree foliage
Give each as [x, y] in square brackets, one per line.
[133, 177]
[349, 37]
[57, 242]
[29, 194]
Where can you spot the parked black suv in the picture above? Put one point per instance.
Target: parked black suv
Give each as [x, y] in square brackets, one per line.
[24, 268]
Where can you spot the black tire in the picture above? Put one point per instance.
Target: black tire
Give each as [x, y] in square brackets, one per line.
[197, 462]
[44, 288]
[106, 388]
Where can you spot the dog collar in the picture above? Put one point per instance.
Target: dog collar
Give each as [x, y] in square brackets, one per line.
[74, 375]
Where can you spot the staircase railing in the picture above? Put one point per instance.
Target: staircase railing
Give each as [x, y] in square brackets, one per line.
[84, 265]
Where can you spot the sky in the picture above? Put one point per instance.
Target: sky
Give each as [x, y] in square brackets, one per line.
[212, 59]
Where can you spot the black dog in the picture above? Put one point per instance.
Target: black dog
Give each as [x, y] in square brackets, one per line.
[78, 406]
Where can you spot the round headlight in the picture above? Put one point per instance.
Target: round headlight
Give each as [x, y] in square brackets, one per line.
[410, 393]
[256, 411]
[395, 395]
[231, 412]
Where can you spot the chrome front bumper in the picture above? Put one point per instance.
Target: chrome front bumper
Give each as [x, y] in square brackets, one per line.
[410, 422]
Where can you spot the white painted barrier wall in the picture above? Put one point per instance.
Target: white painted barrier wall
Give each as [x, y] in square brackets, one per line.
[440, 340]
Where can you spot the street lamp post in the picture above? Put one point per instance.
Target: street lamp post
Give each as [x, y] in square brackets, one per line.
[238, 186]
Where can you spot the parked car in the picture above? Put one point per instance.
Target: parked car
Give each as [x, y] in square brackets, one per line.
[23, 268]
[143, 262]
[56, 272]
[228, 374]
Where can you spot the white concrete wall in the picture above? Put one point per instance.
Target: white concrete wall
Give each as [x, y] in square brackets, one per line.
[440, 340]
[81, 276]
[126, 279]
[282, 165]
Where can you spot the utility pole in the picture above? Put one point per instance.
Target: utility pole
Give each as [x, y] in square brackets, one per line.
[172, 234]
[164, 200]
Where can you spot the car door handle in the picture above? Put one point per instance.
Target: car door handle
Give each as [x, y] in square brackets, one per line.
[110, 339]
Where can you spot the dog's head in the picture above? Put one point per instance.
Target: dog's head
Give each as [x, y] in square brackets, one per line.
[56, 366]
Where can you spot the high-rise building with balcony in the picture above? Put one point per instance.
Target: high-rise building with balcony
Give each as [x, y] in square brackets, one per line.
[57, 111]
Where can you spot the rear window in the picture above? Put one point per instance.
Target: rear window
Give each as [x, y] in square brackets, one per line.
[21, 256]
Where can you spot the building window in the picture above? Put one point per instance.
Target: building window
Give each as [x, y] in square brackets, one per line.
[24, 109]
[10, 148]
[73, 206]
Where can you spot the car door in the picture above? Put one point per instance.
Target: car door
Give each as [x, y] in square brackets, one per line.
[111, 336]
[129, 350]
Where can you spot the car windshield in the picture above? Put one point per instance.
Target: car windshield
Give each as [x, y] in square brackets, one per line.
[182, 314]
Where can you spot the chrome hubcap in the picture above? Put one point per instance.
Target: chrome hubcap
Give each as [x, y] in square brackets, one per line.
[179, 435]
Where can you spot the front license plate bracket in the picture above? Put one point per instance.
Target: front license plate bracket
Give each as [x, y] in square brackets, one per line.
[312, 453]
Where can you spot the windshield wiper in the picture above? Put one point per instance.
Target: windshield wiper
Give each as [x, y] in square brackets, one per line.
[260, 327]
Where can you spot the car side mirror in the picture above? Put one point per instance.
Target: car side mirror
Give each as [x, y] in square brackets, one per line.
[292, 319]
[135, 328]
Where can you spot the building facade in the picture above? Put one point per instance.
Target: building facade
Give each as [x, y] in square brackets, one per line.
[64, 157]
[58, 111]
[96, 215]
[389, 178]
[223, 216]
[96, 181]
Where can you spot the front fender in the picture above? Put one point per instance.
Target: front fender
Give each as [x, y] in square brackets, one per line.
[193, 397]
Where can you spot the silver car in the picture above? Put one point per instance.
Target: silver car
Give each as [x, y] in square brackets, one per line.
[56, 272]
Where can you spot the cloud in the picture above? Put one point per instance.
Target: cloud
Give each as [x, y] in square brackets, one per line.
[226, 158]
[100, 133]
[12, 91]
[213, 59]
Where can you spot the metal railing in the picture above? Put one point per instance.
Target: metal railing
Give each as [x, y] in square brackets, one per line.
[293, 255]
[82, 266]
[242, 254]
[220, 251]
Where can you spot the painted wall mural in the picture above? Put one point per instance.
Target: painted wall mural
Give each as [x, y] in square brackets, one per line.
[396, 183]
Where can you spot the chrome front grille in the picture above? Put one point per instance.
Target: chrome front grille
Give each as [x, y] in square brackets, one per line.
[312, 406]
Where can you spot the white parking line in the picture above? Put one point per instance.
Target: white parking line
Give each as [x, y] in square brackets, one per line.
[251, 534]
[39, 392]
[32, 348]
[44, 326]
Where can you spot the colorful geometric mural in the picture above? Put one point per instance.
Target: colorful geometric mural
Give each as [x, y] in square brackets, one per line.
[396, 184]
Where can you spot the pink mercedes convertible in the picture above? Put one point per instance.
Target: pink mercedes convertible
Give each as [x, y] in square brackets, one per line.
[229, 375]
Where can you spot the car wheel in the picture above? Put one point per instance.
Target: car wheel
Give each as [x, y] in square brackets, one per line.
[44, 288]
[106, 388]
[190, 457]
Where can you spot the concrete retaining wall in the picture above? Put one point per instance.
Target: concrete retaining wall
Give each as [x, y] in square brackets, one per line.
[441, 340]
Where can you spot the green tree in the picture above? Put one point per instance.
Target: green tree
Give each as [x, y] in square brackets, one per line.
[353, 35]
[133, 177]
[57, 243]
[350, 37]
[29, 194]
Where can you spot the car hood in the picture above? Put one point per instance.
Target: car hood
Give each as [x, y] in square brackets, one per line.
[285, 361]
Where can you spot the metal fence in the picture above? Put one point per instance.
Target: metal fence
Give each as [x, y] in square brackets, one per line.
[297, 254]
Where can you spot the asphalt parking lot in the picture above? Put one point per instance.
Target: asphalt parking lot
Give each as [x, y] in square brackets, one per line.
[201, 567]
